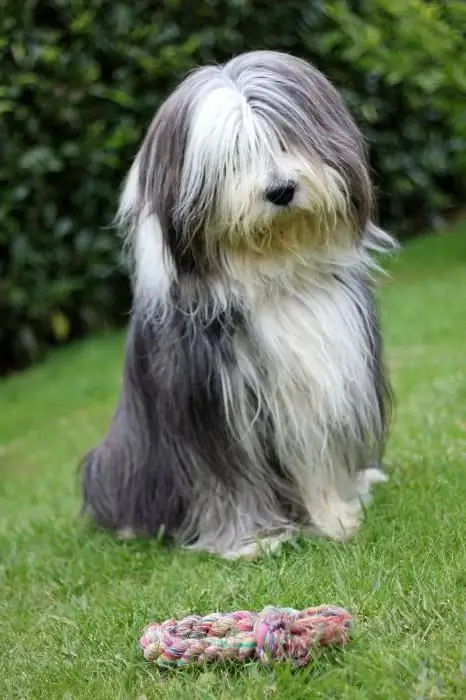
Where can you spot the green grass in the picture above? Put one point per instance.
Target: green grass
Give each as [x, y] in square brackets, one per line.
[73, 601]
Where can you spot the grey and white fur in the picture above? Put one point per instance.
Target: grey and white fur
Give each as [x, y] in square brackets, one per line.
[255, 400]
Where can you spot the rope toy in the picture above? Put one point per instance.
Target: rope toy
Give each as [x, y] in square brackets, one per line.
[274, 634]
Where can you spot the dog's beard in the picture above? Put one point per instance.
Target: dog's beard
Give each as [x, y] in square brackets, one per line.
[289, 232]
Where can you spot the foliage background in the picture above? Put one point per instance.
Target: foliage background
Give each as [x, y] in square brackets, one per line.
[80, 81]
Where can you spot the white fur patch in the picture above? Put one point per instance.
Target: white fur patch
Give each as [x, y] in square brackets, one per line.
[155, 270]
[308, 363]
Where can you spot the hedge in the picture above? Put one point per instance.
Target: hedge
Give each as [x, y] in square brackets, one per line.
[82, 79]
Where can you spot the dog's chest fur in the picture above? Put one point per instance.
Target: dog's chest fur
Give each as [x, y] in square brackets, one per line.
[305, 354]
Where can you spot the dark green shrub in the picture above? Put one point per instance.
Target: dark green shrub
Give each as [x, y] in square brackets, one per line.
[81, 81]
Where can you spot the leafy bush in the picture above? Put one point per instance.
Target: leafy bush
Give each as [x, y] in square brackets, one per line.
[82, 79]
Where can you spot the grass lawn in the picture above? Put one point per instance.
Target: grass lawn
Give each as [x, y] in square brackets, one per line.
[73, 601]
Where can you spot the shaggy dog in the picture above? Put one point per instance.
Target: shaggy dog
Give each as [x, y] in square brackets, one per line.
[255, 402]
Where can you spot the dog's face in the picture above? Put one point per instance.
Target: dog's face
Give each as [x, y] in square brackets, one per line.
[258, 154]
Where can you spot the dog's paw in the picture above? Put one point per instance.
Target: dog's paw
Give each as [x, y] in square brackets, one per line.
[254, 548]
[337, 519]
[366, 480]
[126, 533]
[247, 551]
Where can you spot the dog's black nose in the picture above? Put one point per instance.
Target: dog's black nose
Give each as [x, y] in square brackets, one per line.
[282, 193]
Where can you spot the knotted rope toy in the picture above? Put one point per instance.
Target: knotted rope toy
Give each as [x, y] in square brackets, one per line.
[274, 634]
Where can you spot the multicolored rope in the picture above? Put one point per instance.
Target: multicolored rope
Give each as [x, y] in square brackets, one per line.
[273, 634]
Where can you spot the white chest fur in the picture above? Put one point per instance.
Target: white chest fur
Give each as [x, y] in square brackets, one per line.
[309, 363]
[311, 347]
[315, 348]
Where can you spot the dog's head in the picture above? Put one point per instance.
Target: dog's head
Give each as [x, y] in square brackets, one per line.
[259, 154]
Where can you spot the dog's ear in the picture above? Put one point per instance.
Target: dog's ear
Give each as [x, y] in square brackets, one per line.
[125, 480]
[155, 186]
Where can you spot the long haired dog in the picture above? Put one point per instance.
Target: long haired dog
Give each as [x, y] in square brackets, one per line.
[255, 401]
